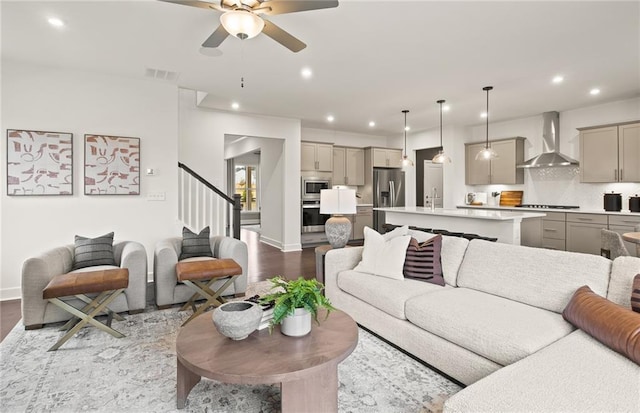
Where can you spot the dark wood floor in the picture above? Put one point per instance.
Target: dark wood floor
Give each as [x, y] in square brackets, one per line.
[264, 262]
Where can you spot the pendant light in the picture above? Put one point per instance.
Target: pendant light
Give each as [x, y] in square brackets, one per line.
[441, 157]
[487, 153]
[405, 159]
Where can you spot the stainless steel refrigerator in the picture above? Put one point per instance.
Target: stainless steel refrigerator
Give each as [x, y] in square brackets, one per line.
[388, 191]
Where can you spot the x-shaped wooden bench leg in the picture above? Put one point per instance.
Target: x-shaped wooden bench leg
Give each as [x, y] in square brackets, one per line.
[92, 304]
[102, 301]
[204, 290]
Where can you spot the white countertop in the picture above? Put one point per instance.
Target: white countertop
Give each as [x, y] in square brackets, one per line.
[568, 211]
[496, 215]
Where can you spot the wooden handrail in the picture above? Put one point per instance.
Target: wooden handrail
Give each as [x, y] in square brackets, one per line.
[235, 201]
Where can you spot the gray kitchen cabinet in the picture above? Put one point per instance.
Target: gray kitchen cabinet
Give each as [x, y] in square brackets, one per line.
[348, 166]
[531, 232]
[501, 170]
[363, 218]
[316, 157]
[610, 153]
[554, 231]
[583, 232]
[387, 158]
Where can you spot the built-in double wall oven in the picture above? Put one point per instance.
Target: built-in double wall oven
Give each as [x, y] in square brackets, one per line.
[312, 219]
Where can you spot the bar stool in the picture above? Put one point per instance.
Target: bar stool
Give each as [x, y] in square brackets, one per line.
[107, 283]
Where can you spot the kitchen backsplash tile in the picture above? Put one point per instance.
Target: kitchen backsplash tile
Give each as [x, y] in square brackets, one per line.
[562, 186]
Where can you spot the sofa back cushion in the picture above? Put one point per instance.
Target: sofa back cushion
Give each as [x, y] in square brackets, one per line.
[451, 254]
[623, 271]
[539, 277]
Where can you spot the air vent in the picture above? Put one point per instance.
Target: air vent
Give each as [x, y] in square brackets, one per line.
[159, 74]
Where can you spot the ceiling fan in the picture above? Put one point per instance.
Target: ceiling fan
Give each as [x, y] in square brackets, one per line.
[242, 18]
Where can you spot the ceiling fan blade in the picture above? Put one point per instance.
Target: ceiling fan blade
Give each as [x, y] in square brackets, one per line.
[293, 6]
[199, 4]
[216, 38]
[282, 37]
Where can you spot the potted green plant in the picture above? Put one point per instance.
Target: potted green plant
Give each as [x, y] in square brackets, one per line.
[295, 302]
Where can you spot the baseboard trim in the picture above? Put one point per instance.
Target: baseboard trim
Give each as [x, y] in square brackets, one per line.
[269, 241]
[292, 247]
[14, 293]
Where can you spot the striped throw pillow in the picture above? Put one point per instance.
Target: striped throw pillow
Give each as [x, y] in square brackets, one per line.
[635, 294]
[90, 252]
[422, 261]
[195, 245]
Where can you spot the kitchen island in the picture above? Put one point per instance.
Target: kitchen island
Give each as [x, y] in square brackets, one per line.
[503, 225]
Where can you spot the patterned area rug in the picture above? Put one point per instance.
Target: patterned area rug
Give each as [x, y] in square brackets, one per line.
[97, 372]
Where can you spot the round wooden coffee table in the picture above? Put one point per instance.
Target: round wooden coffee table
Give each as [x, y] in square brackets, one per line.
[306, 367]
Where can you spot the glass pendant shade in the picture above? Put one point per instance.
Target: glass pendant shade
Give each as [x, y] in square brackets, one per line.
[242, 24]
[441, 157]
[406, 162]
[487, 153]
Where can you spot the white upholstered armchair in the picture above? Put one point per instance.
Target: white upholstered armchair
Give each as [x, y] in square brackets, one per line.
[39, 270]
[169, 291]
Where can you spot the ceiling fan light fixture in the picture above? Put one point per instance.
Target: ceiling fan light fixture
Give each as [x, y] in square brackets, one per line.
[242, 24]
[441, 157]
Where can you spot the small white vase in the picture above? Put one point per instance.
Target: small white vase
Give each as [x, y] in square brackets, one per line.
[298, 324]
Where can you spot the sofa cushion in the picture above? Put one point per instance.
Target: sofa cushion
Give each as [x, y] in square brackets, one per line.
[574, 374]
[611, 324]
[422, 261]
[623, 270]
[535, 276]
[386, 294]
[451, 255]
[499, 329]
[90, 252]
[383, 255]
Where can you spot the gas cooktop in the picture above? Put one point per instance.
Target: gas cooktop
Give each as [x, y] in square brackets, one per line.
[542, 206]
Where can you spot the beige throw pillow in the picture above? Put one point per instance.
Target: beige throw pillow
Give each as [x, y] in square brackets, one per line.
[384, 256]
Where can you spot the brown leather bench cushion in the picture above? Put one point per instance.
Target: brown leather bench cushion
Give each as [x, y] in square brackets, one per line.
[611, 324]
[207, 269]
[86, 283]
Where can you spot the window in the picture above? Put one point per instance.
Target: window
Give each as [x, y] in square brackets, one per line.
[247, 187]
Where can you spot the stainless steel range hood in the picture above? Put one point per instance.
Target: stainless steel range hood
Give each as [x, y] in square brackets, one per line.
[551, 156]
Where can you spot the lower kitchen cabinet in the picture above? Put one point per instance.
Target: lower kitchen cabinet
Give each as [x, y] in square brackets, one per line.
[583, 232]
[554, 232]
[622, 224]
[364, 218]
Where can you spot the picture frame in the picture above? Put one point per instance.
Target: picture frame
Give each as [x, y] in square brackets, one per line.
[39, 163]
[111, 165]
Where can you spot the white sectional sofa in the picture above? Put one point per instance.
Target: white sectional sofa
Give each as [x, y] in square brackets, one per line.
[497, 325]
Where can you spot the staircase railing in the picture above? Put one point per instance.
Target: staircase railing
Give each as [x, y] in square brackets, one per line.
[202, 204]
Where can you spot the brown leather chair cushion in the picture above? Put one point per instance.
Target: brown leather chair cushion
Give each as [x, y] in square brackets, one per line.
[611, 324]
[207, 269]
[88, 282]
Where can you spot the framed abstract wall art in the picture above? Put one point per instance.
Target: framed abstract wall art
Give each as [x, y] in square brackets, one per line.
[111, 165]
[39, 163]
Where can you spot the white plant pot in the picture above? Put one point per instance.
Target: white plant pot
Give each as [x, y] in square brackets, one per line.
[298, 324]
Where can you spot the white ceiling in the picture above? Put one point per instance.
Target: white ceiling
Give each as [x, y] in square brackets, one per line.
[370, 59]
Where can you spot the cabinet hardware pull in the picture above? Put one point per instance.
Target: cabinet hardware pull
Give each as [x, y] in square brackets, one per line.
[346, 180]
[631, 222]
[615, 174]
[621, 178]
[551, 230]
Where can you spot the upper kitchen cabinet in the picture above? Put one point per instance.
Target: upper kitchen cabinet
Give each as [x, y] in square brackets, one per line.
[610, 153]
[316, 157]
[498, 171]
[348, 166]
[387, 158]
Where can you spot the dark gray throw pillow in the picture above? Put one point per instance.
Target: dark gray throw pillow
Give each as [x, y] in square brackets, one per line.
[195, 245]
[90, 252]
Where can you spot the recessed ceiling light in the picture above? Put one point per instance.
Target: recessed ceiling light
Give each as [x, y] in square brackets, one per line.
[306, 73]
[55, 22]
[446, 108]
[594, 91]
[235, 105]
[483, 115]
[330, 118]
[558, 79]
[407, 128]
[372, 124]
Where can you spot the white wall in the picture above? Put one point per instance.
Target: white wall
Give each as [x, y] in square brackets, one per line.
[560, 185]
[45, 98]
[202, 134]
[342, 138]
[272, 166]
